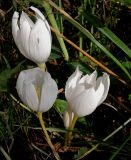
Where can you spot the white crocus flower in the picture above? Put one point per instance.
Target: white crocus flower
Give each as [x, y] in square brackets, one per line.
[68, 117]
[85, 93]
[32, 39]
[37, 89]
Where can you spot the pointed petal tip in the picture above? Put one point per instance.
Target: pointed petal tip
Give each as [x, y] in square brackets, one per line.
[78, 70]
[16, 15]
[32, 7]
[23, 14]
[38, 12]
[104, 73]
[106, 83]
[94, 73]
[106, 76]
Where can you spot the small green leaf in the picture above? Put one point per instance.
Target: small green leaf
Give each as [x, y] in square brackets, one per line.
[127, 64]
[82, 120]
[55, 53]
[60, 106]
[95, 21]
[5, 75]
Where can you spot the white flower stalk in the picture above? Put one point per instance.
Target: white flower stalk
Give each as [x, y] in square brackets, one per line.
[85, 93]
[32, 39]
[37, 89]
[68, 117]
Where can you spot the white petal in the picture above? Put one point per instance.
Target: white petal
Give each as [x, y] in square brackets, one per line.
[48, 93]
[24, 34]
[83, 79]
[40, 42]
[106, 83]
[78, 90]
[68, 117]
[15, 27]
[39, 15]
[38, 12]
[16, 32]
[99, 91]
[30, 95]
[91, 80]
[72, 82]
[31, 23]
[85, 103]
[19, 85]
[37, 74]
[34, 75]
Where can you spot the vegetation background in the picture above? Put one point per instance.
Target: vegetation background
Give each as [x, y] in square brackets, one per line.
[97, 35]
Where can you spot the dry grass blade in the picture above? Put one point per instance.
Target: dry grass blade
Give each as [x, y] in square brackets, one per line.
[91, 58]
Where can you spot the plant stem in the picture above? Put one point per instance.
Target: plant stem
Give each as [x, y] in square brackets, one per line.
[42, 66]
[4, 153]
[68, 136]
[18, 102]
[53, 22]
[47, 136]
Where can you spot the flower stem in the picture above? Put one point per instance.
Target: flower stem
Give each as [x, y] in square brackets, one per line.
[42, 66]
[47, 136]
[68, 136]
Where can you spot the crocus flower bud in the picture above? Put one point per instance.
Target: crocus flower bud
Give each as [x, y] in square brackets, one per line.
[68, 117]
[32, 39]
[85, 93]
[37, 89]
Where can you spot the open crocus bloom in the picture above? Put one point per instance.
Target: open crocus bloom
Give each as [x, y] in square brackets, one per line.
[85, 93]
[37, 89]
[32, 39]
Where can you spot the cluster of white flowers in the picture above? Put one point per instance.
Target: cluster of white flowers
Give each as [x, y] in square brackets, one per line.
[36, 88]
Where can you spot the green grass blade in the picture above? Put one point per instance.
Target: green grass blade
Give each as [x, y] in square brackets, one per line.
[108, 33]
[118, 150]
[90, 36]
[53, 22]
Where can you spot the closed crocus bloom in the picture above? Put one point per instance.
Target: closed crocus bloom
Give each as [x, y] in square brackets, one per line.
[68, 117]
[85, 93]
[32, 39]
[37, 89]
